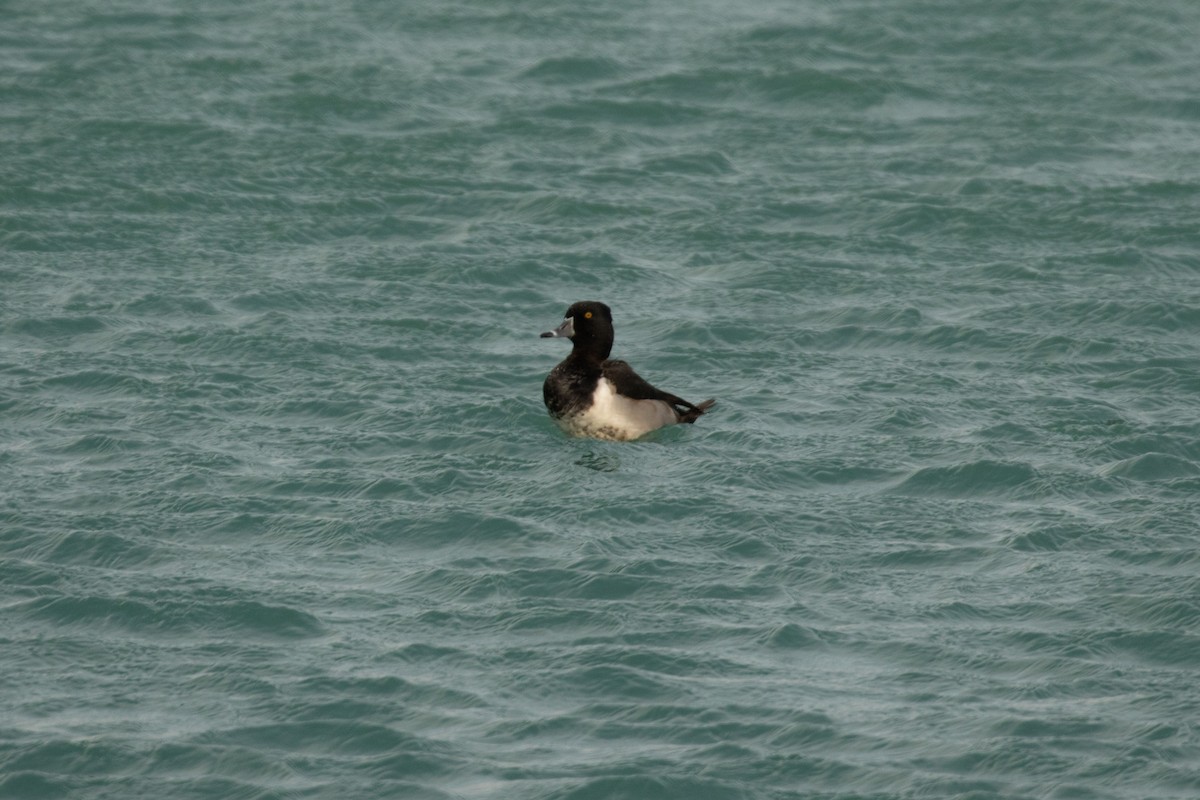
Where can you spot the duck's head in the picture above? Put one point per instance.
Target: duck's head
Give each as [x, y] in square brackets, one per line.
[588, 324]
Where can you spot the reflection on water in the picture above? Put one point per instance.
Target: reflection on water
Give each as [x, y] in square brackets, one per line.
[601, 462]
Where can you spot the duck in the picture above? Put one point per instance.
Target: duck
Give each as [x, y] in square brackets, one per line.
[591, 395]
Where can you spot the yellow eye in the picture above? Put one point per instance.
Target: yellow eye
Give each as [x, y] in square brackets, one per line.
[587, 315]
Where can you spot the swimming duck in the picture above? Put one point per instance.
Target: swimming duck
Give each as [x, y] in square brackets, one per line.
[589, 394]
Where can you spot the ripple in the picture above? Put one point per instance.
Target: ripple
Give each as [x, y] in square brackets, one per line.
[573, 69]
[650, 113]
[102, 381]
[1181, 613]
[58, 327]
[704, 163]
[100, 444]
[1152, 467]
[175, 617]
[26, 783]
[105, 549]
[155, 304]
[984, 478]
[794, 636]
[667, 788]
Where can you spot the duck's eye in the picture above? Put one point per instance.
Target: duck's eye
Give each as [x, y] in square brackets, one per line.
[587, 315]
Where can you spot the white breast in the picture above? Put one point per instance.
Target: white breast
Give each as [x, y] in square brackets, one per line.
[618, 418]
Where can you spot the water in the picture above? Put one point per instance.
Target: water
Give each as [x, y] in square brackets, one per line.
[282, 515]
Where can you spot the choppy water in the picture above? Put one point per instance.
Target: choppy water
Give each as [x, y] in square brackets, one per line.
[282, 515]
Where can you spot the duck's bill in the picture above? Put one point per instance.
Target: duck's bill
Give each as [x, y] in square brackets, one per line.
[564, 331]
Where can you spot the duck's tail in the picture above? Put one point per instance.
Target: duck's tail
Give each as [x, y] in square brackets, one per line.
[692, 412]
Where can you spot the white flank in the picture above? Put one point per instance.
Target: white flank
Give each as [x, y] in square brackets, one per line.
[618, 418]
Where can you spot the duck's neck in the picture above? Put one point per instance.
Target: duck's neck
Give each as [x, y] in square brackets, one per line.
[590, 351]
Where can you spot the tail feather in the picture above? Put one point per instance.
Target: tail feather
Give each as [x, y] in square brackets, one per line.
[695, 411]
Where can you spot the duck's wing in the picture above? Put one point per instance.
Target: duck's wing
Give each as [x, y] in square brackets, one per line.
[630, 384]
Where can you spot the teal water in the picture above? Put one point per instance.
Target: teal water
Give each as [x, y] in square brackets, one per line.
[282, 514]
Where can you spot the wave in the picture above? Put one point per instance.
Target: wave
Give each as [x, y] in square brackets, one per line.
[178, 616]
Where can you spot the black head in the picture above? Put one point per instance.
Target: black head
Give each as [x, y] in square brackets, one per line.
[588, 324]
